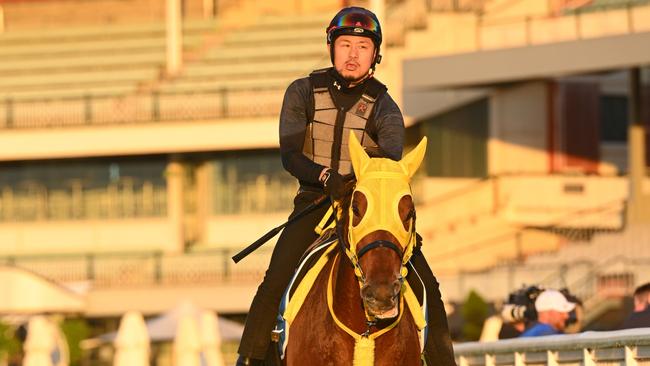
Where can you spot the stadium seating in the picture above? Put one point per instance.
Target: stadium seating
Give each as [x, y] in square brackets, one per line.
[266, 55]
[90, 64]
[86, 61]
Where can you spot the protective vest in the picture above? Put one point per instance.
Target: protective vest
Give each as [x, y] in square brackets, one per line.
[326, 136]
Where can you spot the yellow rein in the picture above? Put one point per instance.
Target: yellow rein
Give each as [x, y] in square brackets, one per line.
[364, 346]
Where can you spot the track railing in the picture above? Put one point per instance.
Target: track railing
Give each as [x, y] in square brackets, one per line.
[627, 347]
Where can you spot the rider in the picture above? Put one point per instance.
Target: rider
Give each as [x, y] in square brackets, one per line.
[317, 113]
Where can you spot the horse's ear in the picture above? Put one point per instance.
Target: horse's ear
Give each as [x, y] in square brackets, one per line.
[358, 155]
[411, 162]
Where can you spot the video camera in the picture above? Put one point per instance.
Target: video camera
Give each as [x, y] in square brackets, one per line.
[520, 306]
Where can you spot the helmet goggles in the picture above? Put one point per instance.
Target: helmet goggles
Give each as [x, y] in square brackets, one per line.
[355, 21]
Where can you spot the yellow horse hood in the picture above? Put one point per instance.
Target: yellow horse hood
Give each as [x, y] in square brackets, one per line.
[384, 182]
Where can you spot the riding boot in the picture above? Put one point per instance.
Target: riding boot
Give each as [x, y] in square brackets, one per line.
[247, 361]
[438, 348]
[293, 242]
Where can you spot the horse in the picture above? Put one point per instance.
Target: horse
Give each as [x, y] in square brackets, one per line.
[355, 312]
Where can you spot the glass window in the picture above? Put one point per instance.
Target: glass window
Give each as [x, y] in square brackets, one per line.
[251, 182]
[82, 189]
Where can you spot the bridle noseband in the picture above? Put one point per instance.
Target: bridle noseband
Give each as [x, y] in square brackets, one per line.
[381, 244]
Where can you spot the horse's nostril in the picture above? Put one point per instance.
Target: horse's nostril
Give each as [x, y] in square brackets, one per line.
[367, 292]
[381, 294]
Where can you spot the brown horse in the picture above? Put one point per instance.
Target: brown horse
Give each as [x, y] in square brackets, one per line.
[355, 313]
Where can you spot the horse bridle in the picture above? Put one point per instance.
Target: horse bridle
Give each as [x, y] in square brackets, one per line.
[381, 244]
[356, 257]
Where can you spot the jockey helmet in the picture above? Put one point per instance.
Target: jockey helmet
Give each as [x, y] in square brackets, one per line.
[355, 21]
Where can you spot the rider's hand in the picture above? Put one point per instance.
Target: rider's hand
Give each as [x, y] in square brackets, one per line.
[334, 184]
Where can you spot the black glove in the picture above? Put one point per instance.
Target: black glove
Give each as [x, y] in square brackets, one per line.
[334, 184]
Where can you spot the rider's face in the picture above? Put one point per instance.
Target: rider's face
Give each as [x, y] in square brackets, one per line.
[353, 57]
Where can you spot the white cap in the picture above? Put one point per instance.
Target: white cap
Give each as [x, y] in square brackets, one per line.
[553, 300]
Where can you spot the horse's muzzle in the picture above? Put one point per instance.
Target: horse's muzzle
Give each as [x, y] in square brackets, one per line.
[381, 300]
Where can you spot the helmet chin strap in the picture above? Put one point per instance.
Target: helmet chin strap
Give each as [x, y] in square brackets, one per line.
[341, 82]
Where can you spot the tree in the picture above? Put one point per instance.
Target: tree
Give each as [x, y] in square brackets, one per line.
[474, 312]
[75, 330]
[9, 344]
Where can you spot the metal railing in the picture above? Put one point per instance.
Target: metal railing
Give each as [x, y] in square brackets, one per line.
[628, 347]
[502, 32]
[96, 109]
[456, 5]
[154, 106]
[600, 5]
[112, 201]
[531, 266]
[613, 277]
[153, 268]
[264, 194]
[34, 201]
[591, 280]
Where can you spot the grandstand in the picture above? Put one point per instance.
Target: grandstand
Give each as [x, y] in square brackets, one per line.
[115, 173]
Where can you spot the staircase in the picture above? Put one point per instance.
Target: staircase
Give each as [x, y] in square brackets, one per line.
[619, 262]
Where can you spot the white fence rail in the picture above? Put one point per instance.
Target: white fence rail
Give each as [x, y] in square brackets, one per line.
[629, 347]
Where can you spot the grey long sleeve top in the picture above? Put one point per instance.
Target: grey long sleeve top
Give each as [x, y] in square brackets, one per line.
[385, 126]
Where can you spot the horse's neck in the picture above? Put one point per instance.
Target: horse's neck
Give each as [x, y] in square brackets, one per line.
[347, 302]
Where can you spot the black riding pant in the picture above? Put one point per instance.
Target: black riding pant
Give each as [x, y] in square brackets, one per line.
[292, 243]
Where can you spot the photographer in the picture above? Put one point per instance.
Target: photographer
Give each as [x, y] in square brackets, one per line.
[553, 311]
[516, 314]
[519, 312]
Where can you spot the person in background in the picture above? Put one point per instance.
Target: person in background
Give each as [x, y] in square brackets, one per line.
[640, 318]
[552, 314]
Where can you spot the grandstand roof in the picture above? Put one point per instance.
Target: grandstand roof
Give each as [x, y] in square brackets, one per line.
[489, 68]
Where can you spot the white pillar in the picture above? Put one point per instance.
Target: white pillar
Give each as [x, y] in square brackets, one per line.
[208, 9]
[2, 20]
[630, 356]
[551, 358]
[379, 8]
[639, 211]
[175, 206]
[174, 37]
[204, 200]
